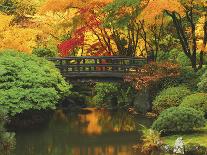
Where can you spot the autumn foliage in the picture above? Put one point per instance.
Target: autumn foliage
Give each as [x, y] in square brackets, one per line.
[152, 72]
[90, 35]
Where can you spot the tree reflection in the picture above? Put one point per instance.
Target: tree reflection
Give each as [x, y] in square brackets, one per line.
[88, 132]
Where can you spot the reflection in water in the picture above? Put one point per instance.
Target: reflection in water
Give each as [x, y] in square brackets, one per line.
[89, 132]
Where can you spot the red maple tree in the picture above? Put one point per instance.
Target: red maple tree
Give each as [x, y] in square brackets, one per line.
[92, 22]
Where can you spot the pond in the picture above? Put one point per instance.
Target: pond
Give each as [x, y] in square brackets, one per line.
[86, 132]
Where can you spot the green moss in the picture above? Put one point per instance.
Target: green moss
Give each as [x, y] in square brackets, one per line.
[199, 136]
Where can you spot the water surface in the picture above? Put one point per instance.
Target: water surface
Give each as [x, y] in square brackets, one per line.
[87, 132]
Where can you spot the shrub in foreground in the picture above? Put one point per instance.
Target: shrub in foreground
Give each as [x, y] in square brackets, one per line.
[179, 119]
[29, 82]
[170, 97]
[197, 101]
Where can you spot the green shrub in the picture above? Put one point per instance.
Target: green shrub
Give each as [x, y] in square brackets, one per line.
[111, 95]
[7, 140]
[202, 84]
[29, 82]
[197, 101]
[175, 56]
[191, 78]
[179, 119]
[182, 59]
[170, 97]
[44, 52]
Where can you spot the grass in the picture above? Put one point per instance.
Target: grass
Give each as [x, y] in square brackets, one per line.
[199, 137]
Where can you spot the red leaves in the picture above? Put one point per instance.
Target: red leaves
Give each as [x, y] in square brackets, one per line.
[67, 46]
[152, 72]
[91, 23]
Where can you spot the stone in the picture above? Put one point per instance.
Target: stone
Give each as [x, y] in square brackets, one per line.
[179, 147]
[141, 102]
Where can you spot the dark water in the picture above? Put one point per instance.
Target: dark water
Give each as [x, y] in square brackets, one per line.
[90, 132]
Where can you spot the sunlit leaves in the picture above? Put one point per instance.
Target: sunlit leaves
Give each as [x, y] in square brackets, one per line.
[5, 21]
[62, 5]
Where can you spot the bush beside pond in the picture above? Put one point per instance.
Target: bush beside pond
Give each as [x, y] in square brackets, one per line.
[179, 119]
[170, 97]
[29, 82]
[202, 85]
[197, 101]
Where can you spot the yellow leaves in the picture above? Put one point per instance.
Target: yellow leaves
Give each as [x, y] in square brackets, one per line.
[22, 39]
[55, 25]
[15, 37]
[5, 21]
[62, 5]
[200, 34]
[55, 5]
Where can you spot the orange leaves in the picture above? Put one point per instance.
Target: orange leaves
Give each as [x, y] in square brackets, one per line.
[62, 5]
[156, 7]
[55, 5]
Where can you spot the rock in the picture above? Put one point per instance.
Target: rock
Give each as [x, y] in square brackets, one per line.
[141, 102]
[179, 147]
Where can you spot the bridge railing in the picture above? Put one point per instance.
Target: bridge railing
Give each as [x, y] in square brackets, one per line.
[70, 66]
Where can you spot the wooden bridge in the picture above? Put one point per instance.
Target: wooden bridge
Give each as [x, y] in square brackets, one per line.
[97, 67]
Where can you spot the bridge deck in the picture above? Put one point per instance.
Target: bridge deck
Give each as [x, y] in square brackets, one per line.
[100, 67]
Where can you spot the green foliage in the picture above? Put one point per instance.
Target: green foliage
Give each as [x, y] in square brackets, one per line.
[115, 19]
[202, 84]
[113, 95]
[7, 140]
[191, 78]
[179, 119]
[197, 101]
[44, 52]
[29, 82]
[7, 6]
[177, 56]
[170, 97]
[174, 56]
